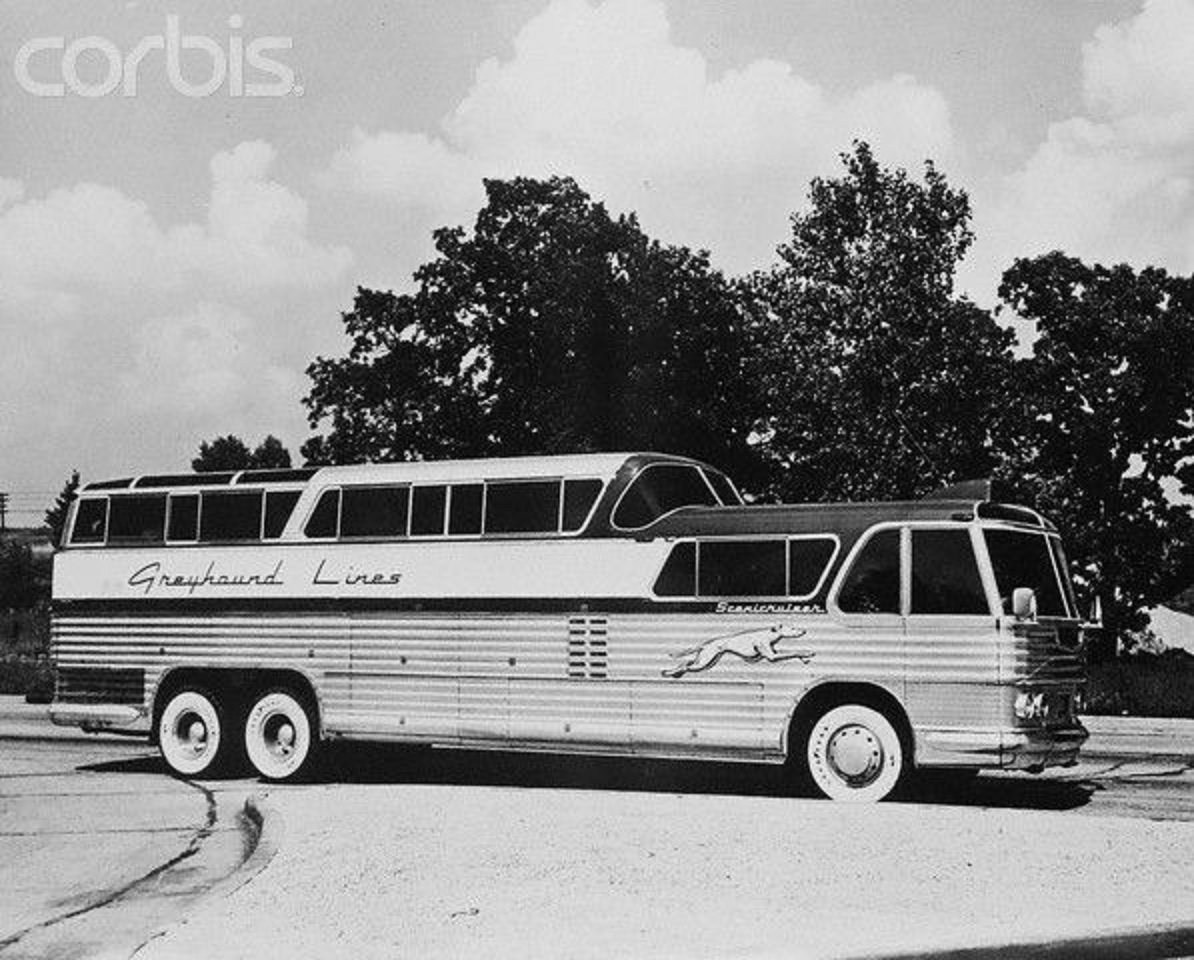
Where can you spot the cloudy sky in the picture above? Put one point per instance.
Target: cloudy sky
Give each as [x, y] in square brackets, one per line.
[174, 250]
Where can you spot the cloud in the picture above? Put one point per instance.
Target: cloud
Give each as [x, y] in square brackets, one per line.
[1116, 182]
[155, 335]
[600, 91]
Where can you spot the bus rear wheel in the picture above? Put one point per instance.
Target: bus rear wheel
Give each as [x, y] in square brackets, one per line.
[280, 739]
[854, 754]
[192, 733]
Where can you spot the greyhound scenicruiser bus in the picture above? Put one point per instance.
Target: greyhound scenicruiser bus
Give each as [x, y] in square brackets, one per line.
[608, 604]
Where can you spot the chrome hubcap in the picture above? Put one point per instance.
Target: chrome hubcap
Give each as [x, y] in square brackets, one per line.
[191, 733]
[855, 755]
[280, 737]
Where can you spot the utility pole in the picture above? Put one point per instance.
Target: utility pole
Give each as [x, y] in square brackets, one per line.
[3, 511]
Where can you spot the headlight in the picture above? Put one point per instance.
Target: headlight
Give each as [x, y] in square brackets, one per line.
[1030, 706]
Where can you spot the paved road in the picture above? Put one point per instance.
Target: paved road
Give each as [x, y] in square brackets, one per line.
[81, 822]
[98, 847]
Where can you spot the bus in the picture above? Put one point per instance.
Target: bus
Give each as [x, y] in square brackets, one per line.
[619, 604]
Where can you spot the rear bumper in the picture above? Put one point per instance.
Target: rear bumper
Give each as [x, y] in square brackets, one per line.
[94, 717]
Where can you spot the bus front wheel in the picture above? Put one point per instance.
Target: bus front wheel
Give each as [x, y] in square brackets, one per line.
[854, 754]
[192, 733]
[280, 736]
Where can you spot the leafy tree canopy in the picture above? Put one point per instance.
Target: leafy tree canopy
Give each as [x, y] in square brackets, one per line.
[1106, 423]
[232, 453]
[877, 381]
[552, 327]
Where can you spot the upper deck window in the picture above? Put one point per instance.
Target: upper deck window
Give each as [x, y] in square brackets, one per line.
[428, 511]
[579, 497]
[91, 520]
[137, 519]
[465, 511]
[279, 505]
[726, 492]
[873, 583]
[945, 577]
[522, 506]
[325, 518]
[661, 488]
[184, 517]
[374, 511]
[226, 515]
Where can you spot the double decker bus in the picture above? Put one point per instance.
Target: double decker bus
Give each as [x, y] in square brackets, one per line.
[624, 604]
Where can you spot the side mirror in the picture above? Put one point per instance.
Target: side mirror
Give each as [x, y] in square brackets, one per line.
[1024, 603]
[1095, 620]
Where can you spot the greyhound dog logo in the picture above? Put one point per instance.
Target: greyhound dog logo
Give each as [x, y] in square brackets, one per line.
[751, 645]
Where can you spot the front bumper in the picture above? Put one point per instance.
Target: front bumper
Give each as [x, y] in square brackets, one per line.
[1006, 748]
[1037, 749]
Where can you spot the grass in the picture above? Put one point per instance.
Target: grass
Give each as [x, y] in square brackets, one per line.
[1144, 685]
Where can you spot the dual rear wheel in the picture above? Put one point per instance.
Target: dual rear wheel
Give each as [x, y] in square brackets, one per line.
[201, 734]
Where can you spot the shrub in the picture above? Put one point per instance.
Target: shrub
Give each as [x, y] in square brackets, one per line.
[1144, 685]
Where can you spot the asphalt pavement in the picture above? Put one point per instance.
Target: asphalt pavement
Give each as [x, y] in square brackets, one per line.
[446, 854]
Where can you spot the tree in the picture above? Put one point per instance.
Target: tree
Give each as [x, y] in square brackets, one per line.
[270, 454]
[24, 577]
[56, 515]
[877, 381]
[232, 453]
[552, 327]
[1107, 424]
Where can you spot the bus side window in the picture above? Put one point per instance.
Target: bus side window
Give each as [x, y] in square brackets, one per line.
[742, 568]
[91, 518]
[945, 578]
[873, 583]
[230, 516]
[522, 507]
[279, 505]
[579, 497]
[427, 511]
[374, 511]
[325, 518]
[678, 576]
[807, 560]
[660, 489]
[137, 519]
[464, 513]
[184, 517]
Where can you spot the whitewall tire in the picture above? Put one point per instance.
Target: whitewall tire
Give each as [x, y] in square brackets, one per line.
[192, 735]
[854, 754]
[280, 737]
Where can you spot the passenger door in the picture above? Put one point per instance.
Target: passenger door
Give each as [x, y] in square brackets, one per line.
[952, 665]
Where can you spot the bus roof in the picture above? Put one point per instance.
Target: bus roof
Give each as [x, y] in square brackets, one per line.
[843, 518]
[602, 465]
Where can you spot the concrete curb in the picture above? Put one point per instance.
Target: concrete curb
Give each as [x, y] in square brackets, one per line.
[1153, 942]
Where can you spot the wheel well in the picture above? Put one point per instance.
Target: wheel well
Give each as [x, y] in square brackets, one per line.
[829, 695]
[237, 687]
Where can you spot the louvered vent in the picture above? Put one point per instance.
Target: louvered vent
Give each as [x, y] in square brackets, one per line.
[100, 685]
[588, 651]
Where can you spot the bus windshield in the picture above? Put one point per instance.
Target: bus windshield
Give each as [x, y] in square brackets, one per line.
[1022, 559]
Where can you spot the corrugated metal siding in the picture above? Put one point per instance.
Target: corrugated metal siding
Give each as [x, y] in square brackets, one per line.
[581, 681]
